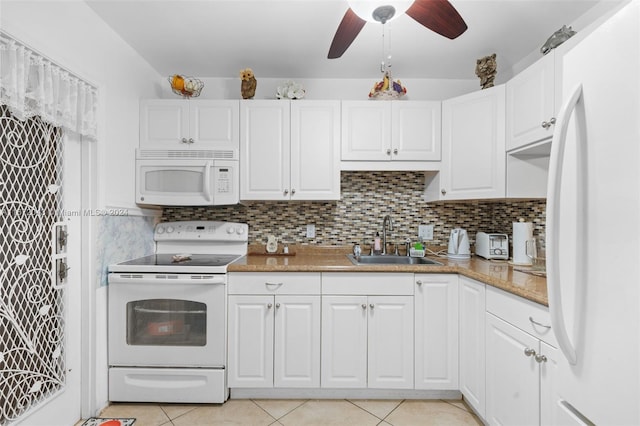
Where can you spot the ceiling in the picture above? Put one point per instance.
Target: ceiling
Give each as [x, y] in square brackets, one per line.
[291, 38]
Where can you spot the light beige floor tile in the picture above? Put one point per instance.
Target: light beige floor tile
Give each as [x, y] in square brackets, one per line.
[176, 410]
[427, 413]
[378, 407]
[279, 407]
[458, 403]
[233, 412]
[145, 414]
[328, 412]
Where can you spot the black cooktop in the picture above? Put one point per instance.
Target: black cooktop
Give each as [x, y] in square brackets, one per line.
[183, 259]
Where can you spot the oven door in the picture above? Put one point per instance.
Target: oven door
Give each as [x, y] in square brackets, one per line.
[167, 320]
[187, 182]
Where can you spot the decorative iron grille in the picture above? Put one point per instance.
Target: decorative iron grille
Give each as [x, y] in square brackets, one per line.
[32, 265]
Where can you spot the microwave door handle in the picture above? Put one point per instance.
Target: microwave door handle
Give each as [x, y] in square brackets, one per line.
[207, 180]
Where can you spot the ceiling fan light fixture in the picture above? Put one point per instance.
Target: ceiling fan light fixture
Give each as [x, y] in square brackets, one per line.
[380, 11]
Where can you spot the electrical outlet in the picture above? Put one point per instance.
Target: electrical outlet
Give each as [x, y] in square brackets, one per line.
[311, 231]
[425, 232]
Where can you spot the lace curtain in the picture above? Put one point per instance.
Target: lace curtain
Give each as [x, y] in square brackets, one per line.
[31, 85]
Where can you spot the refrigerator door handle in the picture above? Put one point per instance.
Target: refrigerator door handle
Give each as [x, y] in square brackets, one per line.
[553, 208]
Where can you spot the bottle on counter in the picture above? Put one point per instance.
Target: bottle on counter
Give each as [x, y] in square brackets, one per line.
[377, 246]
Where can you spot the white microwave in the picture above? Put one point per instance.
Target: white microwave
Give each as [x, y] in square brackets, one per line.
[186, 178]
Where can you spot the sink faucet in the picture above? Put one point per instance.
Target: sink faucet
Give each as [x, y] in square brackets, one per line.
[387, 219]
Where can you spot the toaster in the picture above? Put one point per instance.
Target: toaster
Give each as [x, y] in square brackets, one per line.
[492, 246]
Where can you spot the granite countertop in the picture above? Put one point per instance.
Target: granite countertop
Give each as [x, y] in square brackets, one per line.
[498, 274]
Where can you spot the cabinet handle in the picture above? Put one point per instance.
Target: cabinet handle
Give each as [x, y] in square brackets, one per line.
[547, 124]
[286, 191]
[277, 305]
[191, 140]
[273, 284]
[183, 140]
[269, 305]
[419, 282]
[371, 305]
[538, 324]
[389, 151]
[293, 191]
[443, 191]
[540, 358]
[364, 306]
[395, 151]
[529, 352]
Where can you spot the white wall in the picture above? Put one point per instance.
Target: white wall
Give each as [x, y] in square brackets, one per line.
[70, 34]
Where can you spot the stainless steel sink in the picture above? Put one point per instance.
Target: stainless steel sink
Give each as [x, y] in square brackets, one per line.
[390, 260]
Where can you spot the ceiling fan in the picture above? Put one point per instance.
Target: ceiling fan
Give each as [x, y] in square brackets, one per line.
[437, 15]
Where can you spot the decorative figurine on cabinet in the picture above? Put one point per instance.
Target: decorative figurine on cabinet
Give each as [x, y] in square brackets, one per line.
[486, 69]
[248, 84]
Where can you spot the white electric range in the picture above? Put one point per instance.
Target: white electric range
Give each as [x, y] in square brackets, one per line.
[167, 315]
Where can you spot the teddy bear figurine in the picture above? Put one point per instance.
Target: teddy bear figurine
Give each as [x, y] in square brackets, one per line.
[248, 84]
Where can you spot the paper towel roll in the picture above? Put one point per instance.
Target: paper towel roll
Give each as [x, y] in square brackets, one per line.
[522, 231]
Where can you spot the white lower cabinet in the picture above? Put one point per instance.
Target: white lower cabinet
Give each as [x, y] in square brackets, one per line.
[472, 343]
[367, 330]
[274, 339]
[519, 364]
[436, 327]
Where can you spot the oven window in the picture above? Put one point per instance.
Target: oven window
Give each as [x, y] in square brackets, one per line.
[166, 322]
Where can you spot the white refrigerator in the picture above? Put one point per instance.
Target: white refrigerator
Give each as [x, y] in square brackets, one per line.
[593, 230]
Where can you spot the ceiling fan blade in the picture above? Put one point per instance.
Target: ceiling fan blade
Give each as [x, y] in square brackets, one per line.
[439, 16]
[347, 31]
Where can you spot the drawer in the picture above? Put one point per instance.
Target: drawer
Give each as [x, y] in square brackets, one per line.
[274, 283]
[521, 313]
[368, 283]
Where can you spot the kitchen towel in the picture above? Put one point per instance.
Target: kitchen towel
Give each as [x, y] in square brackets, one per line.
[522, 231]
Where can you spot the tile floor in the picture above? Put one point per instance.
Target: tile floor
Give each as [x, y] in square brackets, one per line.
[300, 413]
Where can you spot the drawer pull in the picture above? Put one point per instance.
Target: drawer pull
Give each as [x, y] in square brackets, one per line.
[273, 284]
[534, 322]
[540, 358]
[529, 352]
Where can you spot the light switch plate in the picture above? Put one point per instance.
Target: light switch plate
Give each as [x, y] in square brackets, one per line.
[425, 232]
[311, 231]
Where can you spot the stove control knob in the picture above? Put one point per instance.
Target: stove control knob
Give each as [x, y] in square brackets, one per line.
[230, 230]
[170, 229]
[160, 230]
[240, 230]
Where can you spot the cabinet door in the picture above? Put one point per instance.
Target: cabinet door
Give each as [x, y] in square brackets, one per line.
[366, 131]
[390, 342]
[530, 102]
[164, 124]
[250, 341]
[472, 343]
[297, 342]
[415, 127]
[473, 147]
[264, 150]
[215, 125]
[344, 342]
[315, 150]
[513, 380]
[436, 356]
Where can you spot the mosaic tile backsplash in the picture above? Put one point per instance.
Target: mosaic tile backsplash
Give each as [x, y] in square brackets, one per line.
[366, 198]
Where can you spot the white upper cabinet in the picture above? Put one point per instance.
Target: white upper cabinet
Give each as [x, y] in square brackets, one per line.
[473, 148]
[189, 124]
[290, 150]
[390, 131]
[531, 104]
